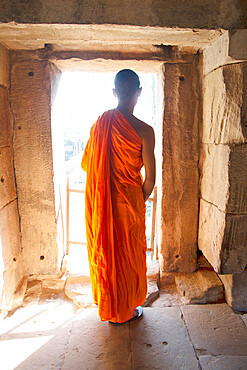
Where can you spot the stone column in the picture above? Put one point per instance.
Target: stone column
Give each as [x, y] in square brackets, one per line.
[11, 264]
[180, 177]
[31, 106]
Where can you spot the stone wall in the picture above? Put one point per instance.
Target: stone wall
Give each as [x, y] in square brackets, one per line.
[225, 14]
[31, 106]
[11, 264]
[223, 211]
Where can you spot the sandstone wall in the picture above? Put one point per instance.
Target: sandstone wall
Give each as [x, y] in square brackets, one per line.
[31, 100]
[11, 264]
[226, 14]
[180, 177]
[223, 210]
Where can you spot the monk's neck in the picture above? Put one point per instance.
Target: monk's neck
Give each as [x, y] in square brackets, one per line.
[125, 109]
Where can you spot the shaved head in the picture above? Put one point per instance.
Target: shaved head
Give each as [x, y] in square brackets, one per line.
[127, 82]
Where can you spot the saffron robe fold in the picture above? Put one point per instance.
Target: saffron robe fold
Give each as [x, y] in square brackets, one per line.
[115, 217]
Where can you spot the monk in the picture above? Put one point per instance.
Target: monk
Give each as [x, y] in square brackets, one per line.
[115, 195]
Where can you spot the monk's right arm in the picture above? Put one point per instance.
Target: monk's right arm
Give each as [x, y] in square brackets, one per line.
[148, 142]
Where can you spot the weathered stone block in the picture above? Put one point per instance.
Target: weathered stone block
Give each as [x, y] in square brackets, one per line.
[78, 289]
[7, 180]
[236, 290]
[4, 66]
[201, 286]
[160, 341]
[215, 329]
[216, 54]
[224, 94]
[5, 118]
[222, 238]
[220, 362]
[179, 209]
[224, 177]
[10, 234]
[30, 94]
[53, 285]
[12, 277]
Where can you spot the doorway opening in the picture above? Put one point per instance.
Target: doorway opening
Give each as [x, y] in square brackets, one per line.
[81, 97]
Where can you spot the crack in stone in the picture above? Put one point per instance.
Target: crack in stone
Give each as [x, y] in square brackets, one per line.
[131, 348]
[224, 65]
[227, 213]
[190, 339]
[12, 143]
[11, 201]
[66, 346]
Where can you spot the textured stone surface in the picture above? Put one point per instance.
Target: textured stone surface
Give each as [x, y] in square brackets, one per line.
[153, 272]
[53, 285]
[30, 94]
[94, 344]
[224, 177]
[222, 239]
[9, 231]
[216, 330]
[225, 105]
[162, 332]
[37, 335]
[4, 65]
[5, 118]
[7, 180]
[179, 210]
[236, 290]
[52, 335]
[201, 286]
[78, 289]
[223, 362]
[244, 318]
[168, 297]
[12, 277]
[216, 54]
[202, 14]
[238, 44]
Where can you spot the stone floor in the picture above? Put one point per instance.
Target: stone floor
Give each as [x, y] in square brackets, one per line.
[53, 335]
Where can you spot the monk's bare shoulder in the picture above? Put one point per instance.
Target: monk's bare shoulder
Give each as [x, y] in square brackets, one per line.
[144, 130]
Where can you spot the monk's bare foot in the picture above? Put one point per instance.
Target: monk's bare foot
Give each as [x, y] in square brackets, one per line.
[135, 313]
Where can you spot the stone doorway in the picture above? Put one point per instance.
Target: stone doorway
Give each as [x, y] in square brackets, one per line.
[197, 136]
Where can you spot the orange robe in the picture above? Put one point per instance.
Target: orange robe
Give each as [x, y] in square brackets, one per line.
[115, 217]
